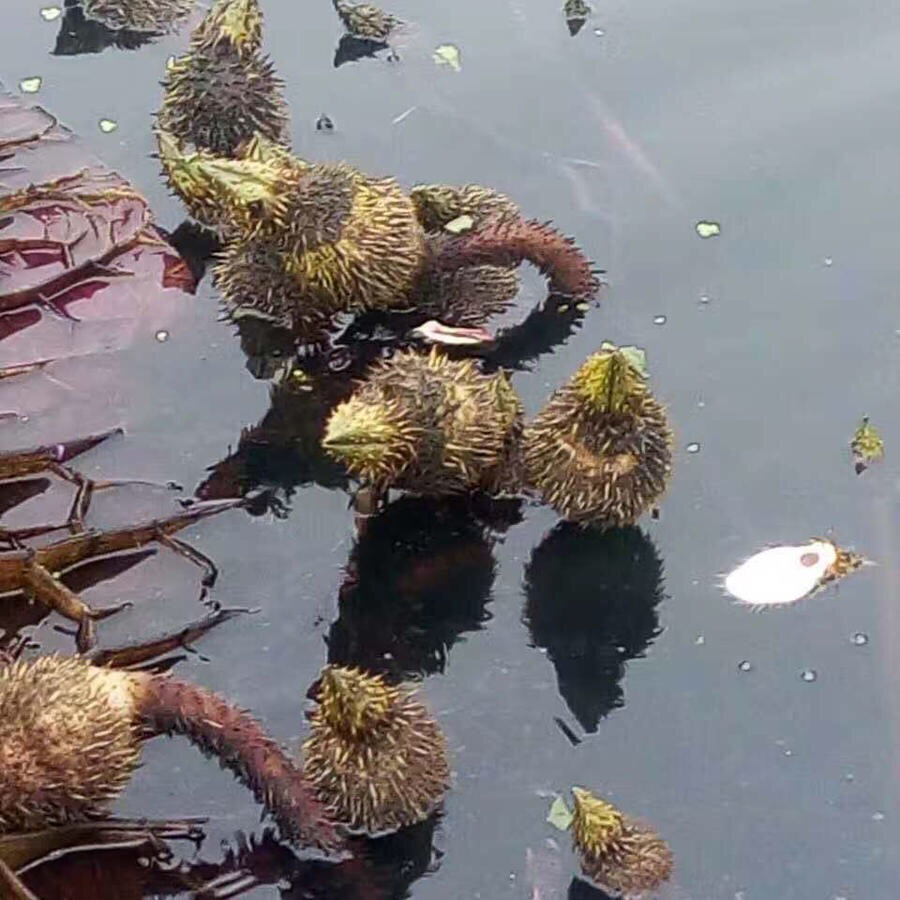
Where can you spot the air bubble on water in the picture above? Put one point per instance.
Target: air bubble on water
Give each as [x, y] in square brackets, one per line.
[745, 666]
[700, 640]
[878, 816]
[659, 320]
[860, 638]
[162, 335]
[704, 299]
[828, 260]
[693, 447]
[808, 675]
[599, 32]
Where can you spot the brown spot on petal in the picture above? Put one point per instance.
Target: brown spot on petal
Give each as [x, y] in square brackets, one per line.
[809, 559]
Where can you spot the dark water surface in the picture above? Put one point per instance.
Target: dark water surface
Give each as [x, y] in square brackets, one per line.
[778, 120]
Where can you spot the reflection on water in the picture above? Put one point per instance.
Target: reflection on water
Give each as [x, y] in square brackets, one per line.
[418, 578]
[381, 869]
[579, 889]
[79, 34]
[591, 603]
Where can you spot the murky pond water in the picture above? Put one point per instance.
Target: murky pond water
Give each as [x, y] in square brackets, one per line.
[768, 342]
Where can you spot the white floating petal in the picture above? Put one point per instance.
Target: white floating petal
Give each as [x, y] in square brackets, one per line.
[781, 575]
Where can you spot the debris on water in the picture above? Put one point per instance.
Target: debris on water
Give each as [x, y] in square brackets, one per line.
[693, 447]
[809, 675]
[459, 224]
[576, 13]
[700, 641]
[659, 320]
[745, 666]
[162, 335]
[31, 85]
[50, 13]
[704, 299]
[781, 575]
[867, 445]
[828, 260]
[708, 229]
[107, 125]
[324, 123]
[560, 816]
[448, 55]
[860, 638]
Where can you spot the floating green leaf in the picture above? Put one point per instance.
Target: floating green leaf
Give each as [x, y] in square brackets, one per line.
[459, 224]
[447, 55]
[31, 85]
[560, 816]
[867, 445]
[50, 13]
[708, 229]
[108, 125]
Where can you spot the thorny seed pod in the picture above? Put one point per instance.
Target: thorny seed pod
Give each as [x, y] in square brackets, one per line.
[70, 739]
[616, 852]
[439, 204]
[430, 425]
[153, 16]
[600, 452]
[221, 93]
[376, 756]
[366, 21]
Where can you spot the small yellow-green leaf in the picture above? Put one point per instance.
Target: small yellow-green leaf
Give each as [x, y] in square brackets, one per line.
[560, 816]
[50, 13]
[170, 62]
[459, 224]
[447, 55]
[634, 356]
[708, 229]
[31, 85]
[108, 125]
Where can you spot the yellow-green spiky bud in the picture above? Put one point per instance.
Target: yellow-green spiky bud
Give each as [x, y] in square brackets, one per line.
[596, 824]
[610, 379]
[369, 438]
[352, 702]
[237, 21]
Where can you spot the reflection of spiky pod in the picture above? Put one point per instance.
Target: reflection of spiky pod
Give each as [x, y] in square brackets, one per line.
[137, 15]
[591, 603]
[511, 241]
[69, 743]
[617, 852]
[366, 21]
[600, 452]
[430, 425]
[438, 204]
[376, 755]
[417, 579]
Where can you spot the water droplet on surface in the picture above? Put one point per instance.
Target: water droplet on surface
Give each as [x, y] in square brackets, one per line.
[50, 13]
[693, 447]
[704, 299]
[860, 638]
[849, 777]
[808, 675]
[23, 418]
[162, 335]
[659, 320]
[828, 260]
[599, 32]
[745, 666]
[31, 85]
[700, 640]
[878, 817]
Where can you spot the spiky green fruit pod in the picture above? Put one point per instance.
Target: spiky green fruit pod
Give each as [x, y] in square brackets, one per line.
[237, 22]
[439, 204]
[68, 744]
[376, 756]
[251, 279]
[154, 16]
[616, 852]
[467, 297]
[366, 21]
[70, 737]
[600, 452]
[430, 425]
